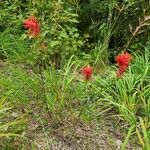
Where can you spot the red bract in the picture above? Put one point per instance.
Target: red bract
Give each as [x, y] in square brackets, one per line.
[33, 26]
[87, 72]
[123, 61]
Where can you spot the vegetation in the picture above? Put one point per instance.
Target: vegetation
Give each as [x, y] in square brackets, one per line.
[75, 74]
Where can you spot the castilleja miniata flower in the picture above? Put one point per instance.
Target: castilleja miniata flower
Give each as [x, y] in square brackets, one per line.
[87, 72]
[33, 26]
[123, 61]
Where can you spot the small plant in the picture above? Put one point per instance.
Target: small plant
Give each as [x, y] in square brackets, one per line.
[143, 136]
[123, 63]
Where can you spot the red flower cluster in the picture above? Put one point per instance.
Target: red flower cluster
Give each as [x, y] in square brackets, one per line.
[87, 72]
[123, 61]
[32, 24]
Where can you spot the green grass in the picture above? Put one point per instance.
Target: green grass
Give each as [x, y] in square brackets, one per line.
[68, 97]
[42, 90]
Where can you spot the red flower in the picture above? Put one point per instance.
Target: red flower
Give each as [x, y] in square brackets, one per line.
[123, 61]
[87, 72]
[32, 24]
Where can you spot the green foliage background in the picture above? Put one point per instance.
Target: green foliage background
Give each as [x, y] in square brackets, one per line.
[83, 25]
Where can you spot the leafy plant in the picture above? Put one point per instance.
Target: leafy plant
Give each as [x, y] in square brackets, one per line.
[146, 137]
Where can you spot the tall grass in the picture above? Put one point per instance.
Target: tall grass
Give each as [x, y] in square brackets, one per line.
[6, 127]
[130, 96]
[53, 74]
